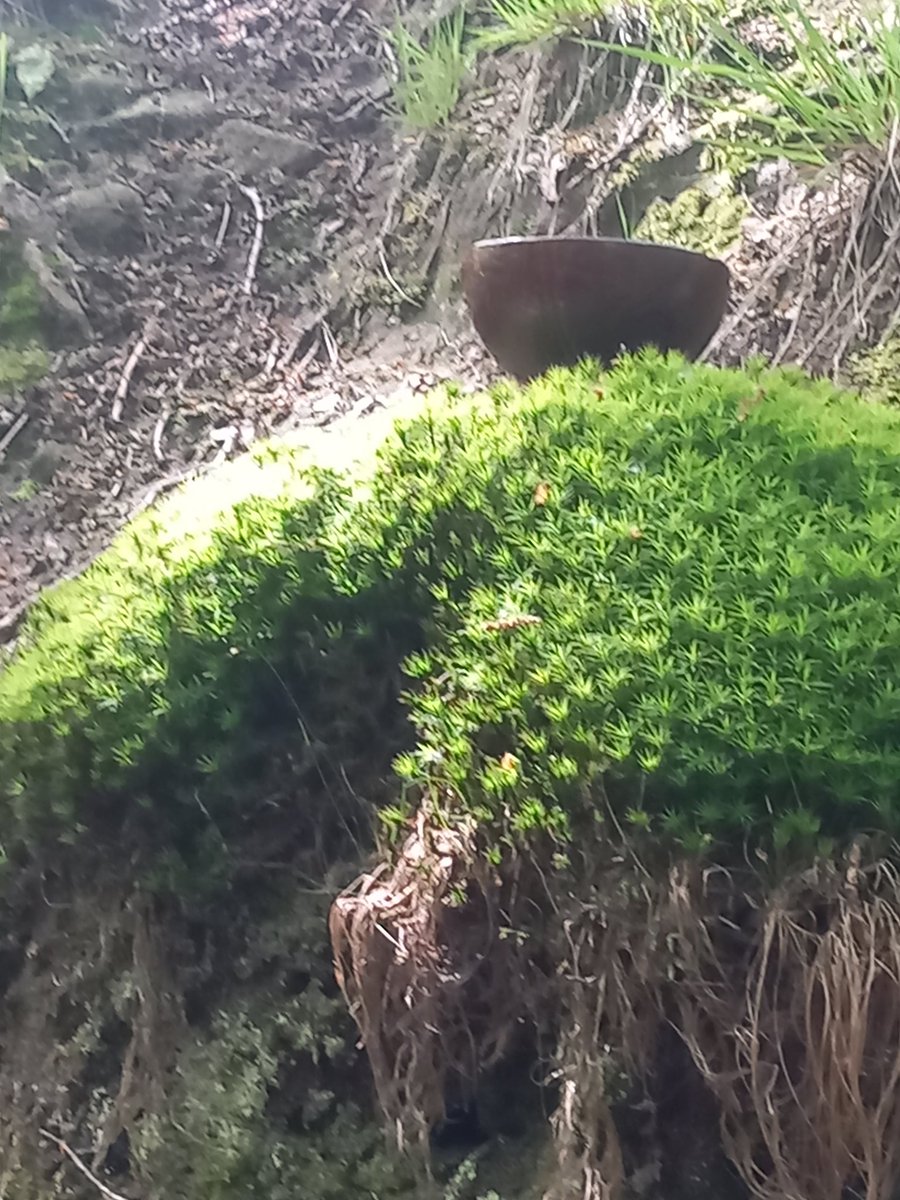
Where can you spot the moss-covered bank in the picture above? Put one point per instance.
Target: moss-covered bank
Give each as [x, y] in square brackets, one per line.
[606, 670]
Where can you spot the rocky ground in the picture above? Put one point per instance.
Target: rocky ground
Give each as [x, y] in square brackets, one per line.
[235, 236]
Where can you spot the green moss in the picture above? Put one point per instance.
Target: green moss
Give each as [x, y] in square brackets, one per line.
[27, 490]
[23, 356]
[115, 679]
[22, 366]
[20, 305]
[681, 594]
[706, 219]
[271, 1099]
[712, 578]
[876, 372]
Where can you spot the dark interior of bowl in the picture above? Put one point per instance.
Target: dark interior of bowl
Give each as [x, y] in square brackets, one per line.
[543, 302]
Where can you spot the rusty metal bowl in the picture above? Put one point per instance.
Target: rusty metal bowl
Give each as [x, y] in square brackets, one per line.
[539, 302]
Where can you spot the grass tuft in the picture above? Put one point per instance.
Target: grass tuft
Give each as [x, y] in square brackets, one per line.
[430, 72]
[529, 22]
[839, 95]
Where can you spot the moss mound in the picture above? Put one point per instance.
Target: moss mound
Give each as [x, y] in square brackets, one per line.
[670, 585]
[613, 614]
[679, 580]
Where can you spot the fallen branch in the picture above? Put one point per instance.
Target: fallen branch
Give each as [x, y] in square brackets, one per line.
[256, 249]
[66, 1149]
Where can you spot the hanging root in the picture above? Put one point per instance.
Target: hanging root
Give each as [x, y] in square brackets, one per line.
[610, 1013]
[789, 1005]
[788, 1001]
[800, 1038]
[426, 971]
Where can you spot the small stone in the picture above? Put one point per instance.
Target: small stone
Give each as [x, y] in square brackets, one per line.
[254, 150]
[107, 218]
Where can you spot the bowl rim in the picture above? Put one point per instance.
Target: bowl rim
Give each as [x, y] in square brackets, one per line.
[534, 239]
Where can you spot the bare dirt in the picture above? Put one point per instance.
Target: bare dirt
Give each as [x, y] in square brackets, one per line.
[175, 137]
[245, 240]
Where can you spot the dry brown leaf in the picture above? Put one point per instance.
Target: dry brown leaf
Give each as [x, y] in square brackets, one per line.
[747, 405]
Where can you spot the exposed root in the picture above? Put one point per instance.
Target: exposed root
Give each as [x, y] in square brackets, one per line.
[426, 972]
[789, 1003]
[610, 1003]
[801, 1044]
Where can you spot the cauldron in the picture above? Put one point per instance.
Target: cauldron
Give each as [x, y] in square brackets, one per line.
[539, 302]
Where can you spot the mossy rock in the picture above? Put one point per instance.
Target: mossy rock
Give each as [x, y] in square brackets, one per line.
[23, 354]
[20, 367]
[668, 587]
[705, 218]
[876, 372]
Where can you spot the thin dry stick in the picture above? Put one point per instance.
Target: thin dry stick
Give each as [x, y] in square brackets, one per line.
[67, 1150]
[256, 249]
[159, 430]
[124, 383]
[807, 292]
[13, 432]
[223, 226]
[330, 346]
[390, 278]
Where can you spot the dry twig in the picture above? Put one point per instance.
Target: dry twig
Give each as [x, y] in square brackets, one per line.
[256, 248]
[223, 226]
[125, 381]
[13, 432]
[66, 1149]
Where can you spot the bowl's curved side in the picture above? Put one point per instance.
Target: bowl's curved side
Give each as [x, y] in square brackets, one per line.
[542, 302]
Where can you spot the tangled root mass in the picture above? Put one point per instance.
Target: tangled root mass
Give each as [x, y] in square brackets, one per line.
[788, 1002]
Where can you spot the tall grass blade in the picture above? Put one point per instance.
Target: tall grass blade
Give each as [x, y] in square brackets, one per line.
[430, 72]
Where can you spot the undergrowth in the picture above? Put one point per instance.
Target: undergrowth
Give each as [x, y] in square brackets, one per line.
[272, 1100]
[429, 70]
[828, 96]
[876, 371]
[664, 594]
